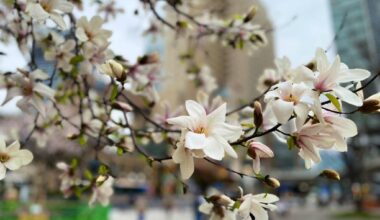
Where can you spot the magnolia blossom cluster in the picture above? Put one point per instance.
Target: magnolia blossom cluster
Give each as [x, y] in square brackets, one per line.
[222, 207]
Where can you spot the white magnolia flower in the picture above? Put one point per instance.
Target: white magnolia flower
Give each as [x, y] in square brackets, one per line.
[91, 31]
[312, 137]
[269, 78]
[12, 157]
[68, 180]
[328, 77]
[31, 90]
[113, 69]
[218, 207]
[256, 205]
[62, 53]
[44, 9]
[208, 132]
[102, 193]
[185, 157]
[344, 128]
[288, 98]
[258, 150]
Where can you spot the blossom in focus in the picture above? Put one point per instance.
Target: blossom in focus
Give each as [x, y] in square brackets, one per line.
[257, 205]
[288, 98]
[91, 31]
[102, 193]
[310, 138]
[328, 77]
[12, 157]
[53, 9]
[31, 90]
[257, 150]
[208, 132]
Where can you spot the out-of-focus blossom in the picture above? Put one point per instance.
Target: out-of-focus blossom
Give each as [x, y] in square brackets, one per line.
[62, 54]
[12, 157]
[257, 205]
[218, 207]
[90, 31]
[102, 193]
[43, 9]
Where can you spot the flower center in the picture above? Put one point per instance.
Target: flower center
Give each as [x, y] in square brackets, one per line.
[27, 90]
[291, 98]
[4, 157]
[201, 130]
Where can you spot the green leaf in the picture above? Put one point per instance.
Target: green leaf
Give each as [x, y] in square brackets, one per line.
[291, 142]
[334, 101]
[82, 139]
[236, 205]
[114, 93]
[103, 170]
[120, 151]
[88, 175]
[74, 163]
[76, 59]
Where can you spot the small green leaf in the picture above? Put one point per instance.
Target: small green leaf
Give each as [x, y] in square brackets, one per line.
[291, 143]
[88, 175]
[236, 205]
[74, 163]
[103, 170]
[114, 93]
[120, 151]
[76, 59]
[82, 139]
[334, 101]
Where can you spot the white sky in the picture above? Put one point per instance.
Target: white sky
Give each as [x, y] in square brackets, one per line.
[297, 40]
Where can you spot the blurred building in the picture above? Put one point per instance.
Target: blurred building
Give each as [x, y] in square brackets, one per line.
[236, 72]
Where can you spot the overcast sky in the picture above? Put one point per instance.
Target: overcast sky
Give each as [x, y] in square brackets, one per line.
[298, 39]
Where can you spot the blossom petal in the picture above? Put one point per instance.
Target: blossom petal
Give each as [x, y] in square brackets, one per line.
[213, 149]
[181, 121]
[2, 145]
[282, 110]
[344, 126]
[206, 208]
[258, 211]
[256, 164]
[195, 140]
[266, 198]
[3, 171]
[36, 11]
[81, 34]
[227, 147]
[18, 159]
[58, 19]
[353, 75]
[228, 132]
[302, 112]
[217, 116]
[44, 90]
[347, 96]
[194, 109]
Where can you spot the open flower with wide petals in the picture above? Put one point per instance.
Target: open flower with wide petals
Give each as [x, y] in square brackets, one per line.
[258, 150]
[208, 132]
[12, 157]
[91, 31]
[218, 207]
[103, 192]
[257, 205]
[53, 9]
[32, 91]
[289, 98]
[328, 77]
[310, 138]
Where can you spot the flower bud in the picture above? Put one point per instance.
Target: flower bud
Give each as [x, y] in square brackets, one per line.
[222, 200]
[331, 174]
[371, 104]
[122, 106]
[251, 14]
[257, 114]
[148, 59]
[272, 182]
[113, 69]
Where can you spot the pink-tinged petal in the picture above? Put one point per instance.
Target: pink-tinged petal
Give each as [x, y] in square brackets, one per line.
[228, 132]
[256, 164]
[261, 149]
[195, 140]
[266, 198]
[3, 171]
[182, 121]
[213, 149]
[302, 112]
[347, 96]
[282, 110]
[227, 147]
[344, 126]
[353, 75]
[194, 109]
[308, 162]
[333, 73]
[309, 151]
[217, 117]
